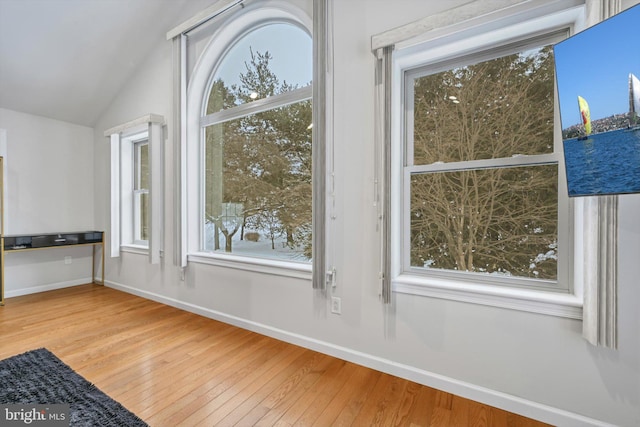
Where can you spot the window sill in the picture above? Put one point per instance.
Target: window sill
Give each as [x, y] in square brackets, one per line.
[548, 303]
[135, 249]
[257, 265]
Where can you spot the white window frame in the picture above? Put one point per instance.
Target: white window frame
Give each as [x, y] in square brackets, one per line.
[128, 211]
[122, 226]
[237, 24]
[562, 284]
[446, 44]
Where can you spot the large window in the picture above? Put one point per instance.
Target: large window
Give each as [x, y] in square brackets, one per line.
[482, 168]
[257, 147]
[478, 204]
[248, 149]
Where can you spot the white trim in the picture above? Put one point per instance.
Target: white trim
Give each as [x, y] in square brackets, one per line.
[44, 288]
[507, 402]
[467, 41]
[156, 192]
[123, 137]
[133, 125]
[114, 235]
[201, 17]
[5, 190]
[135, 249]
[258, 265]
[541, 302]
[470, 17]
[600, 326]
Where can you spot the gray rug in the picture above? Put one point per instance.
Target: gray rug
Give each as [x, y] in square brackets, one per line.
[39, 377]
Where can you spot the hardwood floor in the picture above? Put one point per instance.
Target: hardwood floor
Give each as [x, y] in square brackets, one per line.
[174, 368]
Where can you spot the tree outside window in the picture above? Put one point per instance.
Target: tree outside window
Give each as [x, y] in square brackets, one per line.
[257, 180]
[483, 194]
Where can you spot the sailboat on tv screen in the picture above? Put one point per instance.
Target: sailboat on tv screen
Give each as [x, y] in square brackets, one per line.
[585, 116]
[634, 101]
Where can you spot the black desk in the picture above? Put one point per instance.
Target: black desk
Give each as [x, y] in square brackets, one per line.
[29, 242]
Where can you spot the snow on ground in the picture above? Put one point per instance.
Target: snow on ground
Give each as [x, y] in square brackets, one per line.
[261, 248]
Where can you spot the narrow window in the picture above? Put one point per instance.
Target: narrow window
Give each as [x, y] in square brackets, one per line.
[136, 187]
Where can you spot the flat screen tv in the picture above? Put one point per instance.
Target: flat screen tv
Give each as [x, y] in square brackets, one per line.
[597, 72]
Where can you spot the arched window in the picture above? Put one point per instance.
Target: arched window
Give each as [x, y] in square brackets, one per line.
[249, 138]
[257, 147]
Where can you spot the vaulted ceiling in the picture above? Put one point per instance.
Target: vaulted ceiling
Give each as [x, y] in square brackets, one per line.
[67, 59]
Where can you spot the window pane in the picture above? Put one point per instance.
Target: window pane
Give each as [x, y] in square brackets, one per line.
[257, 184]
[283, 53]
[142, 215]
[497, 108]
[142, 166]
[495, 221]
[141, 192]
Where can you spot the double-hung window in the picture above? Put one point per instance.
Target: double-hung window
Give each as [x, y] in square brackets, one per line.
[136, 187]
[481, 171]
[479, 207]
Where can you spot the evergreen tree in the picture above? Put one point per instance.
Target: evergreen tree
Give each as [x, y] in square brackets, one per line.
[261, 163]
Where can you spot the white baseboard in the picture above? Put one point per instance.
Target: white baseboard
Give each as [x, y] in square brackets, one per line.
[9, 293]
[507, 402]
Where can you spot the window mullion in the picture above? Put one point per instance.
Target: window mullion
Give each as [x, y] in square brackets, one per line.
[542, 159]
[258, 106]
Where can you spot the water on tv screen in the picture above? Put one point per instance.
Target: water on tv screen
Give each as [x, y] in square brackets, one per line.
[597, 73]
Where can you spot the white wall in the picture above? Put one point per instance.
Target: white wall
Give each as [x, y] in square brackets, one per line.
[533, 364]
[49, 185]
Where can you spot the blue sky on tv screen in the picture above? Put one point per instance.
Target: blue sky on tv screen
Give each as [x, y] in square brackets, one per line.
[595, 64]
